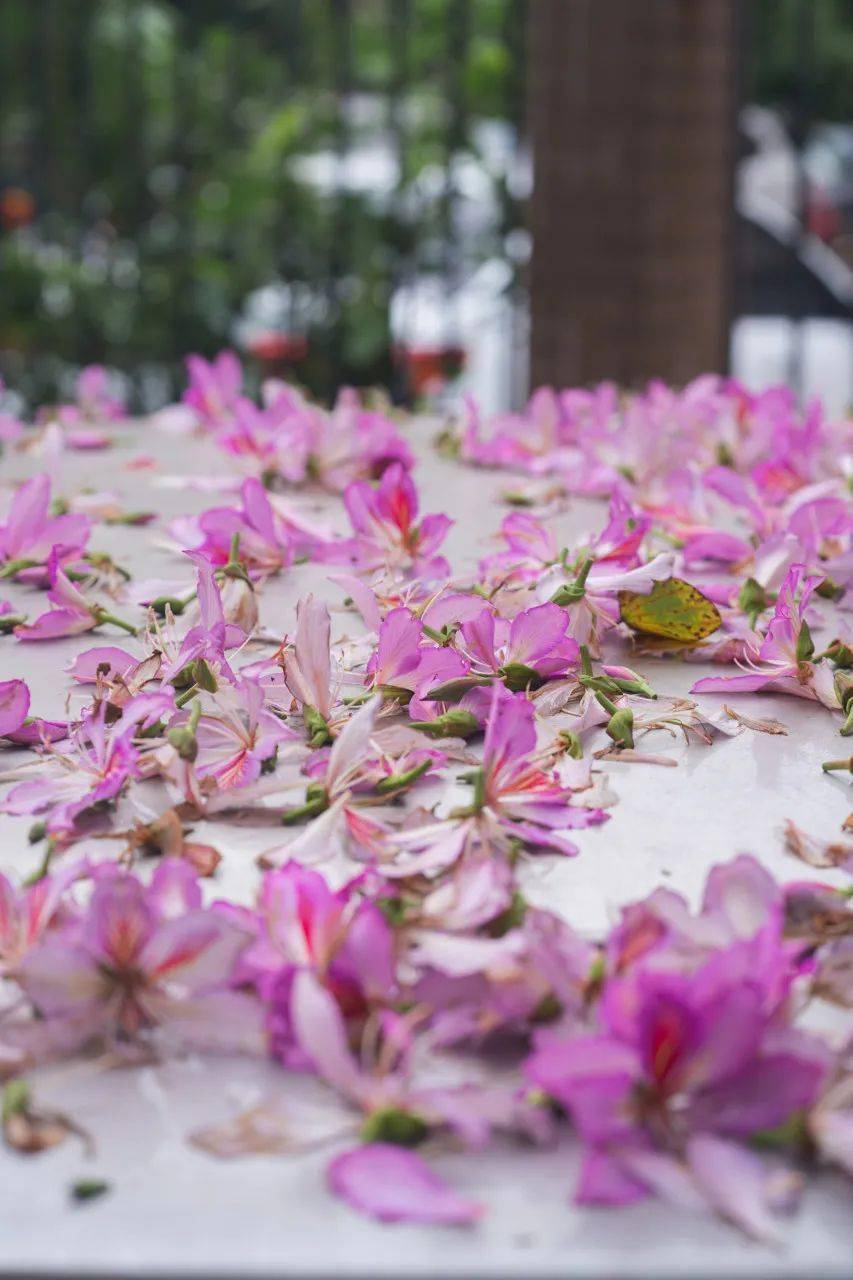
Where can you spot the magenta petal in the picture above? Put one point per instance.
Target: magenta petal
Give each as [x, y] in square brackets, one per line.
[394, 1185]
[36, 731]
[735, 1182]
[55, 624]
[117, 662]
[603, 1180]
[14, 705]
[734, 684]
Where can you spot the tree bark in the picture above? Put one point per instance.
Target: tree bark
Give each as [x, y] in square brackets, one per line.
[632, 112]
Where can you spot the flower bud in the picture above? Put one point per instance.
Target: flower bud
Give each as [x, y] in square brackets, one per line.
[455, 723]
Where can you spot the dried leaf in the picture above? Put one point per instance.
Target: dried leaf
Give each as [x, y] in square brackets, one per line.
[759, 725]
[817, 853]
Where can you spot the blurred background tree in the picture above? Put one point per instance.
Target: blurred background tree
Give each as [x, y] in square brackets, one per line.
[162, 162]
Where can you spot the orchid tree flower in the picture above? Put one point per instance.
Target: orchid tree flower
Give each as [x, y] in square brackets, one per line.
[91, 768]
[308, 671]
[141, 960]
[340, 936]
[236, 738]
[516, 803]
[27, 913]
[14, 706]
[206, 642]
[96, 401]
[265, 542]
[784, 660]
[356, 770]
[72, 615]
[214, 387]
[325, 802]
[591, 598]
[403, 662]
[30, 534]
[396, 1114]
[524, 653]
[687, 1064]
[529, 548]
[387, 533]
[334, 448]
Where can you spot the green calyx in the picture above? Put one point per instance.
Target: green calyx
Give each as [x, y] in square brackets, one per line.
[319, 734]
[316, 802]
[517, 677]
[572, 592]
[390, 1124]
[805, 644]
[183, 737]
[395, 782]
[455, 723]
[753, 600]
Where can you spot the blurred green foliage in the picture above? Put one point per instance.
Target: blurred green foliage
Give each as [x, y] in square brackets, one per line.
[801, 56]
[164, 146]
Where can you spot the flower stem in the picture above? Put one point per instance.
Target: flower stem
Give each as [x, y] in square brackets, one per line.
[103, 616]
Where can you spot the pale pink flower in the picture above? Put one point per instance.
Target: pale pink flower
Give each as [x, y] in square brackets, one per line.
[30, 533]
[214, 387]
[387, 532]
[141, 959]
[237, 736]
[783, 659]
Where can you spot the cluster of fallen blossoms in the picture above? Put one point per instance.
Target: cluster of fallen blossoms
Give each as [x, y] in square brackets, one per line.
[406, 773]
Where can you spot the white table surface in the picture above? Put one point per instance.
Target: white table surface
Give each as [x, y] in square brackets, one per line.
[174, 1210]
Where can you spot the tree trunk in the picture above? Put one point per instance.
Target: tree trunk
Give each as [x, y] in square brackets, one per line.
[633, 129]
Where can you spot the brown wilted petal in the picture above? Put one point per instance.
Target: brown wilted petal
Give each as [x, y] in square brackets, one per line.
[817, 853]
[259, 1131]
[759, 725]
[203, 858]
[628, 756]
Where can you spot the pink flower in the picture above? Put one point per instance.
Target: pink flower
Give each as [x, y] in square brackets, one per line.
[214, 387]
[237, 737]
[265, 542]
[691, 1055]
[530, 548]
[94, 399]
[388, 534]
[403, 664]
[104, 662]
[516, 802]
[515, 792]
[30, 534]
[26, 913]
[73, 613]
[782, 661]
[340, 936]
[530, 650]
[144, 958]
[92, 767]
[209, 639]
[308, 667]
